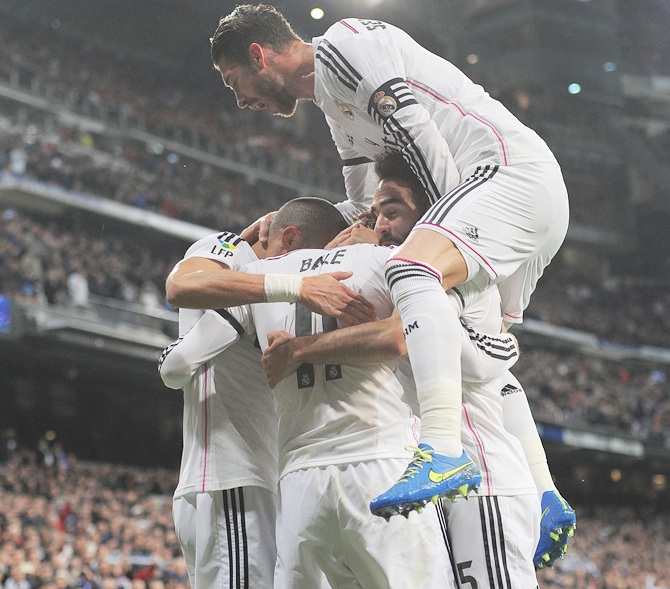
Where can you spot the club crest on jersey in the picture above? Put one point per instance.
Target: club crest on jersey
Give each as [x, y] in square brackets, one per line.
[378, 96]
[386, 106]
[346, 109]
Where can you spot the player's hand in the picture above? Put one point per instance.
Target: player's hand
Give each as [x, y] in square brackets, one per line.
[277, 362]
[325, 294]
[259, 229]
[355, 233]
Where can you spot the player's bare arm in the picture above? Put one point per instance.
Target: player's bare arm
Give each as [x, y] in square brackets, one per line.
[368, 344]
[356, 233]
[382, 342]
[201, 283]
[325, 294]
[259, 229]
[278, 362]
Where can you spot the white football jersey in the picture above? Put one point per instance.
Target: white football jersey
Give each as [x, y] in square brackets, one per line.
[381, 91]
[230, 427]
[334, 414]
[498, 453]
[486, 358]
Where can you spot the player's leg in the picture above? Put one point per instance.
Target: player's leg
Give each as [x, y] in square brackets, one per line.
[432, 332]
[558, 519]
[516, 290]
[308, 543]
[397, 554]
[493, 540]
[229, 537]
[497, 220]
[184, 514]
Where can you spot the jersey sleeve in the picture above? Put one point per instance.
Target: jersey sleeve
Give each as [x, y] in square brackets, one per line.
[486, 352]
[358, 177]
[365, 63]
[360, 186]
[212, 334]
[226, 247]
[486, 357]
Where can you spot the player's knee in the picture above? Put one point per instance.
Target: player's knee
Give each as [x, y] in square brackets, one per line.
[441, 256]
[407, 275]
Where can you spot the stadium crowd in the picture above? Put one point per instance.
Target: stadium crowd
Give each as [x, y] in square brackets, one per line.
[119, 170]
[53, 261]
[219, 200]
[92, 82]
[68, 524]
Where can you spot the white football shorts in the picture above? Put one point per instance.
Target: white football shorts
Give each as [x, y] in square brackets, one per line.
[228, 537]
[508, 222]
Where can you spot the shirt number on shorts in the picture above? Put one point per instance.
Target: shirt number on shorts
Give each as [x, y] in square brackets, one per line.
[462, 577]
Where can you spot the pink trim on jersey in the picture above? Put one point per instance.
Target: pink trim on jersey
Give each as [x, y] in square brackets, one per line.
[415, 425]
[513, 316]
[352, 29]
[205, 435]
[465, 243]
[278, 256]
[427, 266]
[465, 114]
[482, 454]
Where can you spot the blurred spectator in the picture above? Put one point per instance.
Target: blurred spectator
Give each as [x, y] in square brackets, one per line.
[9, 445]
[77, 286]
[149, 296]
[55, 286]
[18, 160]
[17, 579]
[59, 245]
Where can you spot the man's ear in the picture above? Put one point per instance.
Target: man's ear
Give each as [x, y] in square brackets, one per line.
[257, 56]
[291, 238]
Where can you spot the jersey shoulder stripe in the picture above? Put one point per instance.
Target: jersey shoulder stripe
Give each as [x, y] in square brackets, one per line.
[331, 57]
[167, 350]
[414, 157]
[229, 238]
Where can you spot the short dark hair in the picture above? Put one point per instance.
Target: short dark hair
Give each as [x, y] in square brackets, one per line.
[317, 219]
[247, 24]
[392, 166]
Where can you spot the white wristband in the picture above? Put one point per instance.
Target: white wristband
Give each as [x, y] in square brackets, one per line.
[282, 288]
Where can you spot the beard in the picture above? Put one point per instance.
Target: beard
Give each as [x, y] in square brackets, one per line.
[388, 239]
[283, 100]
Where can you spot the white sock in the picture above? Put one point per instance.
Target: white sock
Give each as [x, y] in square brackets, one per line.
[432, 332]
[518, 421]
